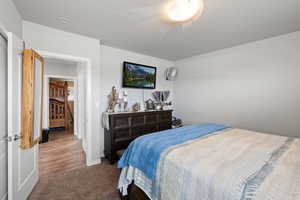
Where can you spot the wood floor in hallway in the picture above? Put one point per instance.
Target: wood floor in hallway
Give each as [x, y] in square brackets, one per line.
[63, 152]
[64, 175]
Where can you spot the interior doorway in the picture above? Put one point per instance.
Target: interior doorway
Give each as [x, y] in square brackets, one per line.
[62, 147]
[83, 127]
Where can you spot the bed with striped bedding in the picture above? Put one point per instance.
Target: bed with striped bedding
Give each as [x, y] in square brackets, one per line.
[226, 164]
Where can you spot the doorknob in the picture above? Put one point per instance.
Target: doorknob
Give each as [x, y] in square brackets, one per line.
[17, 137]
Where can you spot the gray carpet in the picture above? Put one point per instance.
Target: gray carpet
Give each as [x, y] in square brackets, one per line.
[88, 183]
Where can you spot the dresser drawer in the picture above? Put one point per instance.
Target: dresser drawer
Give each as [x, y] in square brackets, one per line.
[125, 127]
[165, 126]
[121, 134]
[138, 131]
[120, 122]
[151, 128]
[165, 117]
[137, 121]
[151, 119]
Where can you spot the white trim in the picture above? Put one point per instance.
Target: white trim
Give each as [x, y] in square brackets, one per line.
[102, 154]
[48, 54]
[94, 162]
[76, 134]
[71, 78]
[88, 97]
[76, 117]
[3, 31]
[9, 112]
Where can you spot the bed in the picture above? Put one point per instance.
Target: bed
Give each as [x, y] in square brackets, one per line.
[211, 162]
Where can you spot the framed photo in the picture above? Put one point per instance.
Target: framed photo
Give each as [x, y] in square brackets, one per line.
[138, 76]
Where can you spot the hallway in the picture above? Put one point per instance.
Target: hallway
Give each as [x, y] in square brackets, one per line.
[63, 152]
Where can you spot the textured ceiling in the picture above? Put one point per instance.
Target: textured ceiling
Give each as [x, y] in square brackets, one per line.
[135, 25]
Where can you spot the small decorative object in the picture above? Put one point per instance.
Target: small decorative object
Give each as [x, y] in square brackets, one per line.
[158, 107]
[125, 101]
[171, 73]
[150, 104]
[136, 107]
[112, 100]
[120, 102]
[161, 98]
[176, 122]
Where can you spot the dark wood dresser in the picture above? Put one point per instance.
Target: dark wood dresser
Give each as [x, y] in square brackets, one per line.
[125, 127]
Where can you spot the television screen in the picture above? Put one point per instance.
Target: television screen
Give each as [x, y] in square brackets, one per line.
[139, 76]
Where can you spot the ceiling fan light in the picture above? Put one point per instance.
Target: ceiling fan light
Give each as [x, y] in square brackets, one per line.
[183, 10]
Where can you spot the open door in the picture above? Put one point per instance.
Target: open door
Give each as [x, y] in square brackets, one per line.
[22, 163]
[3, 118]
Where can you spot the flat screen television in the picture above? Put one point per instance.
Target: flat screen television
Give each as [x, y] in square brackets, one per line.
[138, 76]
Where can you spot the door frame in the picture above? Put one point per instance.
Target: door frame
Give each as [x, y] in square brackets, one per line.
[87, 63]
[3, 31]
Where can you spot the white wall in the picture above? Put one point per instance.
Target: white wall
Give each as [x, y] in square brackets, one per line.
[253, 86]
[10, 17]
[60, 69]
[44, 38]
[104, 76]
[111, 70]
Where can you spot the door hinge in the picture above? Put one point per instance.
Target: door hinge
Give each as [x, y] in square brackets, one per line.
[6, 138]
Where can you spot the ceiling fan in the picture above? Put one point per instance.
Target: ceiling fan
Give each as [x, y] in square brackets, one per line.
[172, 14]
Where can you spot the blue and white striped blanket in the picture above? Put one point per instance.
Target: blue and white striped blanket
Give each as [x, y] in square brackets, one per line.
[144, 152]
[231, 164]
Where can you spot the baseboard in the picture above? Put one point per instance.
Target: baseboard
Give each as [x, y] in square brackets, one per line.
[84, 148]
[76, 134]
[93, 162]
[102, 154]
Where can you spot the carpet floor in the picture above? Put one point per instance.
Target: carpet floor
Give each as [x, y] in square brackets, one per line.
[97, 182]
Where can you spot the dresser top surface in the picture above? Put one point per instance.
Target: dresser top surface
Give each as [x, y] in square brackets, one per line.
[149, 111]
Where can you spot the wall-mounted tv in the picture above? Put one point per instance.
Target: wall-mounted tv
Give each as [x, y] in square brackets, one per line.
[138, 76]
